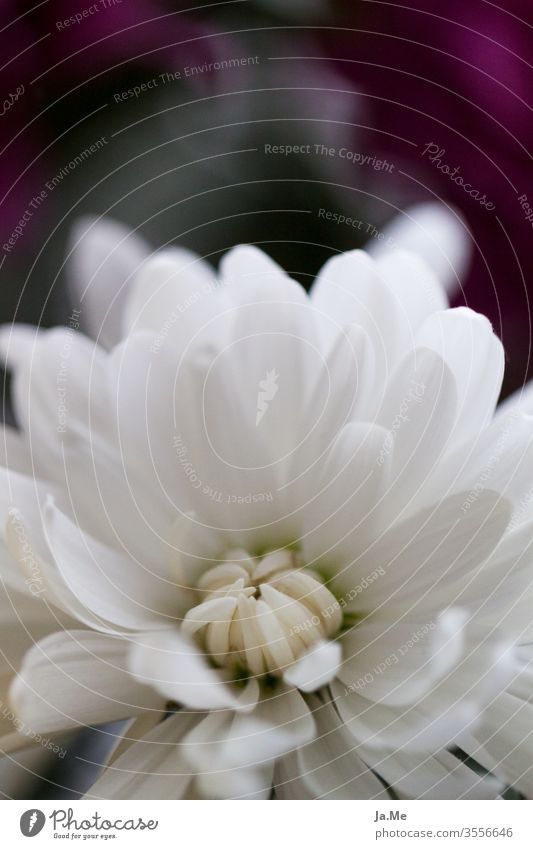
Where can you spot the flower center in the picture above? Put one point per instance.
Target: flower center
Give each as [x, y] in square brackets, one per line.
[259, 615]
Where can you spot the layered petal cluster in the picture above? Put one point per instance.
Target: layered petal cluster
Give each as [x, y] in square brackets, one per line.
[284, 536]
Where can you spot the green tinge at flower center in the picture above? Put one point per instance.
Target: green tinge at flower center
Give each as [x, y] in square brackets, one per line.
[259, 615]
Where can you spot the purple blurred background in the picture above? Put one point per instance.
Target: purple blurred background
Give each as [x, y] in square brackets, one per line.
[439, 89]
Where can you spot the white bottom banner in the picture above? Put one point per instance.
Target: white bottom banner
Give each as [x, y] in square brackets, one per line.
[260, 825]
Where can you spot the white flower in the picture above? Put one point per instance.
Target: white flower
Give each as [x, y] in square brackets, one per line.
[329, 599]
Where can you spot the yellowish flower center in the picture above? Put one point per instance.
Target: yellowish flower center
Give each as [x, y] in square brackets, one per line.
[259, 615]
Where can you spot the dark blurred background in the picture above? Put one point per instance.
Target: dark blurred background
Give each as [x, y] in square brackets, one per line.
[182, 158]
[179, 101]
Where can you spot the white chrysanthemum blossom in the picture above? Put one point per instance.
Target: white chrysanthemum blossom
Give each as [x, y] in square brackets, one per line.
[284, 535]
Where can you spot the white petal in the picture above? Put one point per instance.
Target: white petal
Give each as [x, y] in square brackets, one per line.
[500, 593]
[465, 341]
[218, 776]
[397, 663]
[280, 722]
[287, 780]
[452, 707]
[12, 575]
[343, 389]
[415, 563]
[168, 294]
[253, 417]
[419, 409]
[234, 754]
[520, 400]
[16, 344]
[430, 776]
[213, 611]
[349, 290]
[246, 265]
[344, 512]
[108, 583]
[437, 233]
[27, 544]
[24, 620]
[501, 459]
[151, 768]
[345, 385]
[207, 466]
[58, 386]
[315, 668]
[240, 784]
[104, 257]
[329, 767]
[503, 743]
[78, 678]
[413, 285]
[287, 711]
[179, 671]
[497, 458]
[274, 340]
